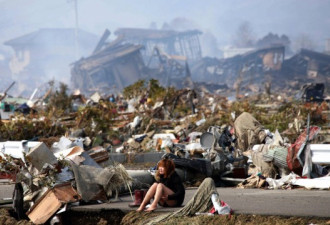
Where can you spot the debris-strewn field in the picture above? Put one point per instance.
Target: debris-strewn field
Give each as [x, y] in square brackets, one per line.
[69, 144]
[153, 114]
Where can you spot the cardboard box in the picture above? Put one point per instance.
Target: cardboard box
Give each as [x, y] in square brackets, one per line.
[51, 202]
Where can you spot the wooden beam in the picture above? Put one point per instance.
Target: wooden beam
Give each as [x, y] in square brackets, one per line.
[104, 37]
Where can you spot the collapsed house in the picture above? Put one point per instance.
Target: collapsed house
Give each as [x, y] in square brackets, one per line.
[252, 68]
[308, 66]
[113, 67]
[4, 70]
[171, 70]
[185, 43]
[254, 71]
[45, 54]
[119, 63]
[167, 52]
[165, 55]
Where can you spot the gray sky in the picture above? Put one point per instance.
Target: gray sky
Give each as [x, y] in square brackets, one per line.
[219, 17]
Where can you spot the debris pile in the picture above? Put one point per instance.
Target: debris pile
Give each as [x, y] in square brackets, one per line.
[64, 150]
[48, 179]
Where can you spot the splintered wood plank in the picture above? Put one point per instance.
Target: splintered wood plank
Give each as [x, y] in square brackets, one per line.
[44, 209]
[52, 201]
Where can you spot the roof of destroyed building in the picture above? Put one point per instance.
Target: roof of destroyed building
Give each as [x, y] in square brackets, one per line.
[303, 56]
[53, 35]
[252, 53]
[315, 55]
[136, 33]
[107, 55]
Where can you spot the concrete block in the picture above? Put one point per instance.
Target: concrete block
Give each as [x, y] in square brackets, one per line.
[136, 158]
[118, 157]
[148, 157]
[39, 155]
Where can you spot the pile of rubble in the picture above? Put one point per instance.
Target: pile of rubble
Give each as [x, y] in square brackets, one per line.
[46, 179]
[63, 154]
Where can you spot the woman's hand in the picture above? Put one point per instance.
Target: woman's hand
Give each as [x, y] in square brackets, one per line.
[165, 198]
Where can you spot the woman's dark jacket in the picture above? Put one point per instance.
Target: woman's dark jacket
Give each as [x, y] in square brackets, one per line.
[174, 183]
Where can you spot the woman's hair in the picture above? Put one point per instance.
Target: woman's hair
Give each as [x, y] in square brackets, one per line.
[168, 165]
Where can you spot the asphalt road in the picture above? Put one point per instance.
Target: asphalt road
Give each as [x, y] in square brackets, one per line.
[278, 202]
[295, 202]
[252, 201]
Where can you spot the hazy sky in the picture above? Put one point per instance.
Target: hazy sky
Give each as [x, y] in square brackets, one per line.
[219, 17]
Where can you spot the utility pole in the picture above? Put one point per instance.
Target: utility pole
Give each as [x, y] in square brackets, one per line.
[75, 2]
[76, 36]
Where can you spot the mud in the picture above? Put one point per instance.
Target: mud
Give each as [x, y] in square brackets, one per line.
[112, 217]
[137, 218]
[118, 217]
[7, 217]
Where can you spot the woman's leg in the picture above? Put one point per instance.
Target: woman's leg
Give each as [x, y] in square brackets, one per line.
[161, 191]
[150, 193]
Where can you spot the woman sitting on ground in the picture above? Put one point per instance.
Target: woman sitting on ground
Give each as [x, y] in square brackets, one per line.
[167, 191]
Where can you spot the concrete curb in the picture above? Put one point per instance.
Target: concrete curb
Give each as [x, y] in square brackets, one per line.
[136, 157]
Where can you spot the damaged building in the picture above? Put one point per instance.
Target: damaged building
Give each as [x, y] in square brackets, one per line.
[179, 43]
[174, 58]
[119, 63]
[5, 74]
[113, 67]
[45, 54]
[308, 66]
[246, 70]
[251, 71]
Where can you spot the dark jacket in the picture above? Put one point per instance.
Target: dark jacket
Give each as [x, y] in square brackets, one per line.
[174, 183]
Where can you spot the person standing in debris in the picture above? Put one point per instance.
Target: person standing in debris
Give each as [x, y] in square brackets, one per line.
[167, 191]
[267, 88]
[192, 96]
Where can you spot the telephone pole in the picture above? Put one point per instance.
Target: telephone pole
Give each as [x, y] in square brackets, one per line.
[76, 29]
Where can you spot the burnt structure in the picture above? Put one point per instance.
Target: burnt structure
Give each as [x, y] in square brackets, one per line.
[109, 69]
[45, 54]
[308, 66]
[117, 64]
[166, 55]
[185, 43]
[262, 68]
[254, 67]
[171, 70]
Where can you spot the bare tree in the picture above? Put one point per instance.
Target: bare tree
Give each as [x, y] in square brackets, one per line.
[244, 36]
